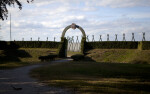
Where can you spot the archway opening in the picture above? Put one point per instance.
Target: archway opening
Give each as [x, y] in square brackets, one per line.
[74, 39]
[74, 42]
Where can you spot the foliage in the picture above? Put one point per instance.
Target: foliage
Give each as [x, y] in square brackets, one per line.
[112, 45]
[144, 45]
[28, 44]
[48, 57]
[77, 57]
[62, 49]
[5, 3]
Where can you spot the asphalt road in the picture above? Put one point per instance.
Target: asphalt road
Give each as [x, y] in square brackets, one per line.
[18, 81]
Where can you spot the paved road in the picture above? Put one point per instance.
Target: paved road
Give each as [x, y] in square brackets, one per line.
[20, 79]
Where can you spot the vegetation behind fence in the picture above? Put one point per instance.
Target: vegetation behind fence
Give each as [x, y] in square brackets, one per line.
[143, 45]
[28, 44]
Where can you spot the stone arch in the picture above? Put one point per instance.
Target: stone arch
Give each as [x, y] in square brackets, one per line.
[62, 51]
[73, 26]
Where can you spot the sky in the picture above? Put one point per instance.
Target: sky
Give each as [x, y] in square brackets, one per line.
[48, 18]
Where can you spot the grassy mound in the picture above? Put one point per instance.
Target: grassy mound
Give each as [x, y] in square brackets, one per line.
[94, 78]
[120, 55]
[23, 56]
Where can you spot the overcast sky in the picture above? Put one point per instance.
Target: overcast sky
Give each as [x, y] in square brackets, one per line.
[48, 18]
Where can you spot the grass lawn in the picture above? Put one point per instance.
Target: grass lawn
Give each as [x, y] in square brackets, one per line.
[94, 77]
[23, 56]
[69, 53]
[120, 55]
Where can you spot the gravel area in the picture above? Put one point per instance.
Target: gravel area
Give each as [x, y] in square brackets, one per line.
[18, 81]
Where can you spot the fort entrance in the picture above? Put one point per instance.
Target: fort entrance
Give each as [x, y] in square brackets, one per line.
[73, 46]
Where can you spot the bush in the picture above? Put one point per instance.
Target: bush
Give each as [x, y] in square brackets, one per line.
[48, 58]
[77, 57]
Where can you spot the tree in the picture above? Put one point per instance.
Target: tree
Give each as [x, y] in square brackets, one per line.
[3, 7]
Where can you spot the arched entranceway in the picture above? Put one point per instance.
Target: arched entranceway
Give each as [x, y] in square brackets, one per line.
[74, 42]
[73, 26]
[64, 42]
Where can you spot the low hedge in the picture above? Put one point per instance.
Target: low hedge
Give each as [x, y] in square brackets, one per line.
[29, 44]
[144, 45]
[3, 45]
[111, 45]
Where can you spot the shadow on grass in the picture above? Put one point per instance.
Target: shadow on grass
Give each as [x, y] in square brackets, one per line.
[96, 77]
[10, 52]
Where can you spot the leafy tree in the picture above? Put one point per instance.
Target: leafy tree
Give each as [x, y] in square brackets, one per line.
[5, 3]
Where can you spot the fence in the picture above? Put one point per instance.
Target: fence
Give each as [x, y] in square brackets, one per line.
[74, 43]
[38, 39]
[93, 39]
[116, 37]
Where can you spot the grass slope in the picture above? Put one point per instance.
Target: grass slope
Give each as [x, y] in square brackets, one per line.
[93, 77]
[69, 53]
[22, 56]
[120, 55]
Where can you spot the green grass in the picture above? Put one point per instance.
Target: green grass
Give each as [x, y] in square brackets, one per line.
[10, 65]
[36, 52]
[120, 55]
[93, 77]
[22, 56]
[70, 53]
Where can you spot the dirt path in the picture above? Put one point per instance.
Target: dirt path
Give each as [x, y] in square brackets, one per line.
[23, 84]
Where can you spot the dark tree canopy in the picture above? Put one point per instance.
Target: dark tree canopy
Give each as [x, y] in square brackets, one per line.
[5, 3]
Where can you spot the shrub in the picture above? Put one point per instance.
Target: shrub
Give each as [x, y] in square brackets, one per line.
[77, 57]
[48, 58]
